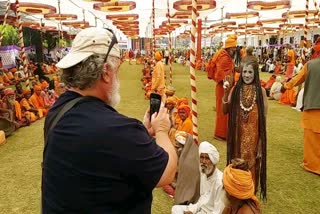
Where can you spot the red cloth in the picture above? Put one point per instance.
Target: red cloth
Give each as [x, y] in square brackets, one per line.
[221, 119]
[289, 71]
[269, 82]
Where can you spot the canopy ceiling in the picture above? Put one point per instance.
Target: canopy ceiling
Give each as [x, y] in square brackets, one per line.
[144, 10]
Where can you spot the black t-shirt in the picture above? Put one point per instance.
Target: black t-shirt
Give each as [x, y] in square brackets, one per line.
[99, 161]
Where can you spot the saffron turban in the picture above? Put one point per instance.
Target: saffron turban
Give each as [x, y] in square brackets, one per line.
[158, 56]
[171, 100]
[238, 183]
[181, 137]
[316, 49]
[186, 108]
[211, 150]
[44, 85]
[25, 91]
[37, 87]
[182, 101]
[231, 41]
[8, 91]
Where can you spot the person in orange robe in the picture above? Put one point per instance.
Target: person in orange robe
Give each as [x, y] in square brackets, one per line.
[158, 81]
[225, 66]
[38, 102]
[185, 123]
[27, 110]
[240, 190]
[278, 69]
[10, 103]
[288, 97]
[291, 60]
[310, 76]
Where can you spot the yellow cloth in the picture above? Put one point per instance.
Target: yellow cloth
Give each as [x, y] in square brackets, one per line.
[231, 41]
[17, 108]
[185, 126]
[291, 57]
[158, 56]
[158, 81]
[239, 184]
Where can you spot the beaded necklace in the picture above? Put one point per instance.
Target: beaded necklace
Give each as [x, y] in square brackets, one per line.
[247, 101]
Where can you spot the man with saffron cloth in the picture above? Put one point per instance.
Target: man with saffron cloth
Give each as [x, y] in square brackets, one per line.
[247, 107]
[211, 187]
[239, 187]
[185, 123]
[158, 81]
[291, 61]
[310, 75]
[37, 101]
[224, 66]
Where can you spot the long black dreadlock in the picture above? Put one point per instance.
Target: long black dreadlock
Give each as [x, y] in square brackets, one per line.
[233, 139]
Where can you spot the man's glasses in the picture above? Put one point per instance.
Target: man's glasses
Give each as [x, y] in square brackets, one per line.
[113, 42]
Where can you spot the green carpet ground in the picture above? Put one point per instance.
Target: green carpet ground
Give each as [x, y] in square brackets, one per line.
[290, 188]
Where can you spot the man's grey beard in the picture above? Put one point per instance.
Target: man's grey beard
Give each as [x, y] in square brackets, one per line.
[114, 95]
[207, 170]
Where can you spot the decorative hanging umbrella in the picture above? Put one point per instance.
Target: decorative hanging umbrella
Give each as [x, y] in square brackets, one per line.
[182, 15]
[123, 17]
[186, 5]
[35, 8]
[299, 14]
[30, 24]
[287, 25]
[115, 6]
[60, 17]
[263, 5]
[249, 25]
[77, 24]
[242, 15]
[11, 20]
[223, 24]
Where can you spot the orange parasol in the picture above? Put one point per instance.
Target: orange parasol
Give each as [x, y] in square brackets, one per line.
[263, 5]
[186, 5]
[115, 6]
[34, 8]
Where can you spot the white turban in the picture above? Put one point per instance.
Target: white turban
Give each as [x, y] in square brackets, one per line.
[208, 148]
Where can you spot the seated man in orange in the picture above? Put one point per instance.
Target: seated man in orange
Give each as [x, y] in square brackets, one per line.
[185, 123]
[239, 187]
[38, 102]
[11, 104]
[288, 97]
[4, 79]
[27, 110]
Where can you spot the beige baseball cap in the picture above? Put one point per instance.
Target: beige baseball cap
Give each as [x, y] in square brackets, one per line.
[88, 42]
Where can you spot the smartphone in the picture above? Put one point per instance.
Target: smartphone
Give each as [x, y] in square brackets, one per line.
[155, 102]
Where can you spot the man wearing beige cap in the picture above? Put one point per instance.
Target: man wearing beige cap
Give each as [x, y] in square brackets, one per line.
[95, 159]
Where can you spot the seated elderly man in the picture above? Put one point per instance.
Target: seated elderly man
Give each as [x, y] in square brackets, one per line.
[211, 187]
[239, 187]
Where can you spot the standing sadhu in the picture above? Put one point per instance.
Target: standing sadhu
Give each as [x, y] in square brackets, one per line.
[158, 81]
[310, 75]
[290, 62]
[223, 60]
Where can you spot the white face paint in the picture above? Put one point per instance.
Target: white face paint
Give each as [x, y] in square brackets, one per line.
[248, 74]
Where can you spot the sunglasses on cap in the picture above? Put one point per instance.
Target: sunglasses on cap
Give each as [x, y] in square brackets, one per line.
[113, 42]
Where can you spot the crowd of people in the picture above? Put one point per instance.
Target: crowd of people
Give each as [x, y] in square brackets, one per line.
[20, 105]
[81, 122]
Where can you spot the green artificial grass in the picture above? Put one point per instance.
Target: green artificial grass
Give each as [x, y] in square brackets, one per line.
[290, 188]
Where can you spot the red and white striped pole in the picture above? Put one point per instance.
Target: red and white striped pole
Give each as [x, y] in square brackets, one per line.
[170, 45]
[317, 7]
[4, 21]
[21, 43]
[193, 73]
[153, 28]
[305, 30]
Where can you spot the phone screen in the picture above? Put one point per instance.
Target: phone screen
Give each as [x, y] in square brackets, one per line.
[155, 102]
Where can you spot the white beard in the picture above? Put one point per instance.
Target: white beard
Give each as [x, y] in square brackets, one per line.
[114, 95]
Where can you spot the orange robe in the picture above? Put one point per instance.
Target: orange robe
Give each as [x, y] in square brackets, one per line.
[290, 64]
[311, 125]
[270, 82]
[158, 81]
[277, 70]
[38, 103]
[225, 67]
[26, 107]
[185, 126]
[288, 97]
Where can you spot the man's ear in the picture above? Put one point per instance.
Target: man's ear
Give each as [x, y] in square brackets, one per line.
[107, 74]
